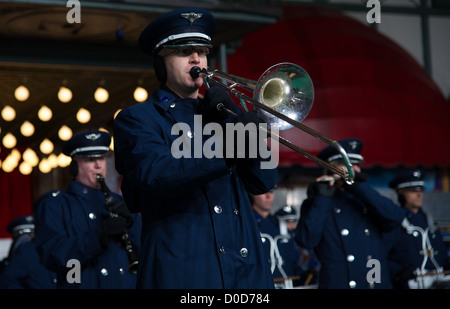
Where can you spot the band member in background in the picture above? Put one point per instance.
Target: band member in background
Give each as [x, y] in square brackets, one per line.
[22, 268]
[343, 224]
[281, 251]
[416, 248]
[198, 226]
[74, 224]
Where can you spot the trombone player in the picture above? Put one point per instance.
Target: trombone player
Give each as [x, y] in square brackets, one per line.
[343, 224]
[198, 226]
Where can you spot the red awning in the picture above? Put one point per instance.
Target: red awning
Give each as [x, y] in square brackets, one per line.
[366, 86]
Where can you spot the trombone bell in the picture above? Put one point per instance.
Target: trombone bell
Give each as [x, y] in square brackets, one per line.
[287, 89]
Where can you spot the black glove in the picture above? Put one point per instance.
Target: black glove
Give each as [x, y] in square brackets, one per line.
[359, 178]
[321, 188]
[119, 208]
[213, 96]
[111, 228]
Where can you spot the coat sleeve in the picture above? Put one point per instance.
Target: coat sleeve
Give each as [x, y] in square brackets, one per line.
[313, 215]
[385, 211]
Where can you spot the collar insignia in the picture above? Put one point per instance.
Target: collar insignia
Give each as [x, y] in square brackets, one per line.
[92, 136]
[191, 17]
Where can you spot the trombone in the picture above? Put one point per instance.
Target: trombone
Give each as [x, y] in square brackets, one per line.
[283, 97]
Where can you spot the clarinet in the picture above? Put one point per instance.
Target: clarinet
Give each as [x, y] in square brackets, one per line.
[125, 241]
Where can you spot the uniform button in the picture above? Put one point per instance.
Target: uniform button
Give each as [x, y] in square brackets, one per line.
[367, 232]
[121, 271]
[263, 239]
[337, 210]
[350, 258]
[92, 216]
[415, 234]
[222, 250]
[352, 284]
[369, 257]
[236, 211]
[217, 209]
[243, 252]
[104, 272]
[190, 134]
[172, 105]
[344, 232]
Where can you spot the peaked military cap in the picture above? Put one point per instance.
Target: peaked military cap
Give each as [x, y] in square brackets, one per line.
[22, 223]
[352, 146]
[286, 213]
[178, 28]
[411, 179]
[88, 144]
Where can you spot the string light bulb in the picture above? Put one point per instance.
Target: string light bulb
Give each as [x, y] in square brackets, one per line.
[83, 115]
[9, 140]
[8, 113]
[45, 113]
[21, 93]
[140, 94]
[46, 146]
[30, 156]
[27, 128]
[64, 94]
[65, 133]
[101, 95]
[25, 168]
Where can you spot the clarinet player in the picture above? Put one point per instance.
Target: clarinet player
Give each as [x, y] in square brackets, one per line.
[74, 225]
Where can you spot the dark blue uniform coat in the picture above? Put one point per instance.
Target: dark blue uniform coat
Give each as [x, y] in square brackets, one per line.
[345, 233]
[67, 224]
[24, 270]
[198, 225]
[405, 252]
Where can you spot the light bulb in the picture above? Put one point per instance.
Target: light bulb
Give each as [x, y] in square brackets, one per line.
[140, 94]
[30, 157]
[46, 146]
[9, 140]
[27, 128]
[83, 115]
[25, 168]
[101, 95]
[44, 166]
[65, 133]
[64, 94]
[8, 113]
[45, 113]
[22, 93]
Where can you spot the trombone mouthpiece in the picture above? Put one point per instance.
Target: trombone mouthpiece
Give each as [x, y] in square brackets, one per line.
[195, 72]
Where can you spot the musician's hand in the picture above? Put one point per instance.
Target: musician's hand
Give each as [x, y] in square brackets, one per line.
[119, 208]
[111, 228]
[326, 189]
[213, 96]
[359, 178]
